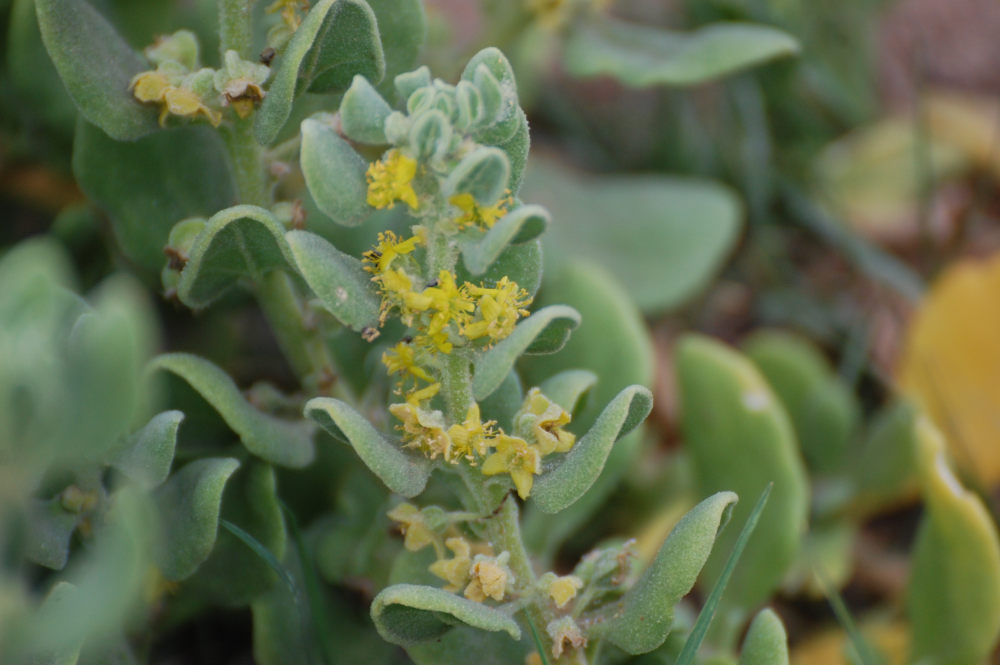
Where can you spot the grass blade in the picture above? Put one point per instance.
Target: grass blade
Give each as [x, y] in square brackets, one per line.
[264, 553]
[864, 651]
[538, 642]
[707, 613]
[314, 594]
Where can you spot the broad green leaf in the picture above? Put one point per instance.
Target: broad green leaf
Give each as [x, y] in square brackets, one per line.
[640, 55]
[559, 488]
[474, 645]
[954, 593]
[886, 469]
[407, 614]
[242, 242]
[334, 173]
[484, 173]
[822, 409]
[149, 185]
[68, 651]
[674, 239]
[647, 610]
[281, 442]
[338, 280]
[32, 75]
[235, 574]
[401, 472]
[504, 402]
[740, 439]
[766, 642]
[49, 528]
[569, 387]
[490, 71]
[521, 224]
[517, 147]
[189, 505]
[363, 112]
[337, 40]
[545, 331]
[148, 453]
[402, 28]
[97, 65]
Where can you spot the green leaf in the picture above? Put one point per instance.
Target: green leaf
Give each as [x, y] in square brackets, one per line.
[740, 439]
[491, 73]
[242, 242]
[407, 614]
[147, 454]
[568, 387]
[337, 40]
[50, 527]
[822, 408]
[402, 28]
[521, 224]
[675, 237]
[68, 652]
[708, 610]
[886, 469]
[559, 488]
[363, 112]
[334, 173]
[545, 331]
[338, 280]
[401, 472]
[149, 185]
[236, 574]
[766, 642]
[484, 173]
[504, 402]
[189, 511]
[519, 263]
[471, 644]
[646, 613]
[954, 592]
[97, 65]
[517, 147]
[640, 56]
[280, 442]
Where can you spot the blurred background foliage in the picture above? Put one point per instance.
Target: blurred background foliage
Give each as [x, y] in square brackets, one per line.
[831, 213]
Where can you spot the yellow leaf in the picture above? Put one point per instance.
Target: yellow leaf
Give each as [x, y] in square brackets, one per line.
[950, 363]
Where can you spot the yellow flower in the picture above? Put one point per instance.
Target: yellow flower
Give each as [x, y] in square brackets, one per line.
[516, 457]
[450, 303]
[497, 308]
[455, 570]
[417, 397]
[389, 180]
[401, 359]
[490, 578]
[470, 439]
[473, 213]
[416, 533]
[561, 589]
[389, 247]
[542, 419]
[150, 86]
[291, 11]
[423, 429]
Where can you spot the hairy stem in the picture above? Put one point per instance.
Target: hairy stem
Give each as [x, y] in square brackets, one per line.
[456, 385]
[236, 26]
[246, 158]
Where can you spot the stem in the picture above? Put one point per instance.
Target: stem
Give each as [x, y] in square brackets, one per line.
[456, 385]
[247, 159]
[236, 26]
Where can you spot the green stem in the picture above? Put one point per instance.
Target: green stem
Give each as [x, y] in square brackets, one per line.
[236, 26]
[247, 159]
[456, 385]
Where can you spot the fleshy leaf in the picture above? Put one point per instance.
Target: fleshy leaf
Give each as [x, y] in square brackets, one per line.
[766, 642]
[675, 237]
[407, 614]
[97, 65]
[278, 441]
[545, 331]
[189, 512]
[402, 27]
[640, 56]
[562, 486]
[822, 409]
[334, 173]
[886, 469]
[149, 185]
[517, 147]
[647, 609]
[522, 224]
[242, 242]
[148, 453]
[740, 439]
[954, 593]
[363, 112]
[567, 388]
[401, 472]
[492, 74]
[337, 279]
[50, 527]
[484, 173]
[337, 40]
[504, 402]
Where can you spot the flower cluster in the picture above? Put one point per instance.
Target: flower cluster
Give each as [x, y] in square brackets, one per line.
[182, 88]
